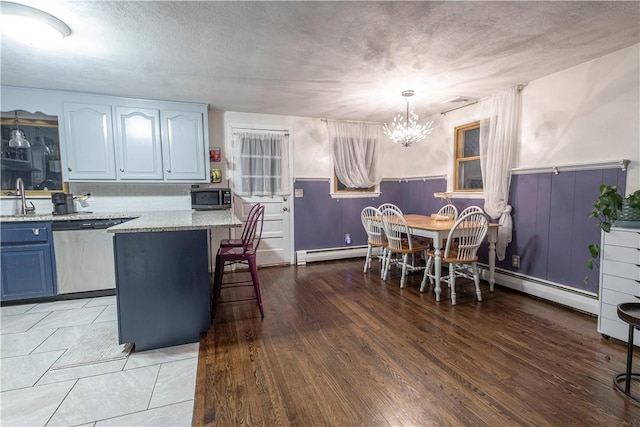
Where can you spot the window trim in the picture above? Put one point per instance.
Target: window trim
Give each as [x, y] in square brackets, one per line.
[459, 159]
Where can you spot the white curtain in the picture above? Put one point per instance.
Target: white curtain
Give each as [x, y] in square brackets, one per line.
[356, 150]
[262, 168]
[498, 142]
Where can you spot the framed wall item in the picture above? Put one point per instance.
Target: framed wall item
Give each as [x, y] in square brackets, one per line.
[214, 154]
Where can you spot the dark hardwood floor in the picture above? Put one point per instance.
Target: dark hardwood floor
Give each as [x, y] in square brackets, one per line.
[341, 348]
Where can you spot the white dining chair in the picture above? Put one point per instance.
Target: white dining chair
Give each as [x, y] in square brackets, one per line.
[386, 206]
[372, 222]
[471, 209]
[461, 253]
[449, 210]
[401, 243]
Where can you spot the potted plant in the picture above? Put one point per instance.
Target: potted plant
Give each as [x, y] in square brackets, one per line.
[611, 208]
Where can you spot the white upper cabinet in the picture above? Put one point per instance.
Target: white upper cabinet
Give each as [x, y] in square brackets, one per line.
[183, 146]
[130, 140]
[89, 142]
[138, 144]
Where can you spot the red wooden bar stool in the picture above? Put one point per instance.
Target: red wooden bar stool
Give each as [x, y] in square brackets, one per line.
[245, 253]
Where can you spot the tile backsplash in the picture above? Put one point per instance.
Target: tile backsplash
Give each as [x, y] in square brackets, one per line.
[114, 197]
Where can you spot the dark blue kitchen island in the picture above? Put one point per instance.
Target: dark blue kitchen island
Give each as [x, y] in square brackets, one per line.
[162, 276]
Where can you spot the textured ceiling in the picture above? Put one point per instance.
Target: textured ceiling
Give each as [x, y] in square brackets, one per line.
[346, 60]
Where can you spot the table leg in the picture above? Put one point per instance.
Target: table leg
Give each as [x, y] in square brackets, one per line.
[437, 266]
[492, 237]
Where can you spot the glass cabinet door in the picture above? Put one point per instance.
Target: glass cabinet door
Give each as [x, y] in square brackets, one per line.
[33, 156]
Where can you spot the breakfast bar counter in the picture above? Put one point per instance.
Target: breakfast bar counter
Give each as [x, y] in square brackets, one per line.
[162, 276]
[160, 221]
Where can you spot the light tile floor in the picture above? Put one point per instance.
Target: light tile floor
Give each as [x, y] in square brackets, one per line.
[150, 388]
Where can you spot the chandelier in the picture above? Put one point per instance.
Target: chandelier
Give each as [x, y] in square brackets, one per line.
[405, 130]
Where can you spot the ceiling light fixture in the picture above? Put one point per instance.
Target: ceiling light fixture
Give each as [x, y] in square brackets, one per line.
[405, 129]
[18, 139]
[31, 26]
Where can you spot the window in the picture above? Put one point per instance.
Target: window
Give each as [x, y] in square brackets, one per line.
[467, 173]
[262, 164]
[38, 164]
[356, 156]
[340, 187]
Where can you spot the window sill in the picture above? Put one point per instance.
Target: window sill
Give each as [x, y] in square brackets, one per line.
[464, 195]
[355, 195]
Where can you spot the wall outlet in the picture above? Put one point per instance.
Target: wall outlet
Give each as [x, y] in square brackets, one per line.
[515, 261]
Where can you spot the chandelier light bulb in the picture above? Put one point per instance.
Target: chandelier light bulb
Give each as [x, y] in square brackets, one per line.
[405, 130]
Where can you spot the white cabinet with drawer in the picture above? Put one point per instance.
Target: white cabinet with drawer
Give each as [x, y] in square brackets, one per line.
[619, 279]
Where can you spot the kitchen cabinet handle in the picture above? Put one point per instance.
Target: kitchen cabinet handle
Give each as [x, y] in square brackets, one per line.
[121, 170]
[285, 209]
[35, 231]
[70, 170]
[168, 170]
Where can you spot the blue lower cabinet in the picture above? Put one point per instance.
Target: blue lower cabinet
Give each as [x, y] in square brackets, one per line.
[26, 257]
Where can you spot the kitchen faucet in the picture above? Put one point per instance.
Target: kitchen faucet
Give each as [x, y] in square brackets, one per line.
[24, 209]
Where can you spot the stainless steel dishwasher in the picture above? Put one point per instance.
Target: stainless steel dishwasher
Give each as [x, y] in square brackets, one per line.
[84, 254]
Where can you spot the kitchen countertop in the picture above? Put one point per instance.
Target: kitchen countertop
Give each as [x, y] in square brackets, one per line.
[145, 221]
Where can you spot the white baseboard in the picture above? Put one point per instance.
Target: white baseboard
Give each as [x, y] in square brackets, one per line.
[564, 295]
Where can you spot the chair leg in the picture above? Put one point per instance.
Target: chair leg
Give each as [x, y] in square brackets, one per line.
[452, 282]
[253, 268]
[367, 260]
[385, 265]
[405, 260]
[476, 280]
[427, 274]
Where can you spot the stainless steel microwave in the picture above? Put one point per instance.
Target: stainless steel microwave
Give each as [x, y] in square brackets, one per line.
[207, 197]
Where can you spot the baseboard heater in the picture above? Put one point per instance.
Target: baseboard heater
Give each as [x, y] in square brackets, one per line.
[329, 254]
[571, 297]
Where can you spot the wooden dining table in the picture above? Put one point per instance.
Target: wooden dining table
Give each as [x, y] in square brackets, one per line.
[438, 230]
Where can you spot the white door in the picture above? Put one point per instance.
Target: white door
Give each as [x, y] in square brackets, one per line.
[276, 243]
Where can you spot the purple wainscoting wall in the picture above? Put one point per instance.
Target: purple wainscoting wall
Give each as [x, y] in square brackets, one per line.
[551, 224]
[321, 222]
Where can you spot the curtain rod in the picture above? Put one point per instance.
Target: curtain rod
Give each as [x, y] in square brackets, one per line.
[237, 131]
[352, 121]
[444, 113]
